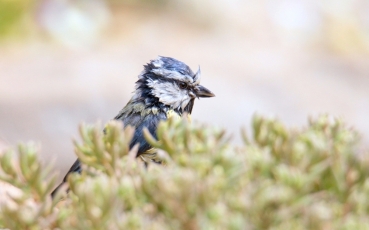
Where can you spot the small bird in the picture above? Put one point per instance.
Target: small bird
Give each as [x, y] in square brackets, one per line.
[165, 87]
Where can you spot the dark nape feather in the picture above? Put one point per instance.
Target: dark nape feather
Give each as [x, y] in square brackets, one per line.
[148, 67]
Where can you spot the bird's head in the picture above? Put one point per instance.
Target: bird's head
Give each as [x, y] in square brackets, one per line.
[172, 83]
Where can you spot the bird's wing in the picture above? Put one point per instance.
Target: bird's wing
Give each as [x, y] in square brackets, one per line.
[149, 122]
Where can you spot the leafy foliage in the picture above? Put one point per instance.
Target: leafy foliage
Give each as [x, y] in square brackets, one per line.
[11, 14]
[311, 178]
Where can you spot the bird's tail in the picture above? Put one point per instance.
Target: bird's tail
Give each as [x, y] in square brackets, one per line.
[57, 189]
[76, 168]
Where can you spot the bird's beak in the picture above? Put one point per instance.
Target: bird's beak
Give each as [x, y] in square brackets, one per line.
[201, 91]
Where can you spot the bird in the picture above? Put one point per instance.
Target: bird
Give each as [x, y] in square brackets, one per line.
[164, 88]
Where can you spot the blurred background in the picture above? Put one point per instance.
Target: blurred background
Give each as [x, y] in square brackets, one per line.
[67, 61]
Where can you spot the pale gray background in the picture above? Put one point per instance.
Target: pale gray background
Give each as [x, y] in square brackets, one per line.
[78, 60]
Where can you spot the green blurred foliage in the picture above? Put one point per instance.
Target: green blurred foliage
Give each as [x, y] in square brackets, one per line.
[11, 14]
[307, 178]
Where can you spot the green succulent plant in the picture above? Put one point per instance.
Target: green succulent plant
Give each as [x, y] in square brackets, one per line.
[314, 177]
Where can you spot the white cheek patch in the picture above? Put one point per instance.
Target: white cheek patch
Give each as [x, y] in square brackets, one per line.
[169, 93]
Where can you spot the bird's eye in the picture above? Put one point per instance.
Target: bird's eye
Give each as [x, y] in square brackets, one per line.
[182, 85]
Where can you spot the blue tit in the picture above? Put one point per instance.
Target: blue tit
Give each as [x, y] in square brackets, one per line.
[165, 87]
